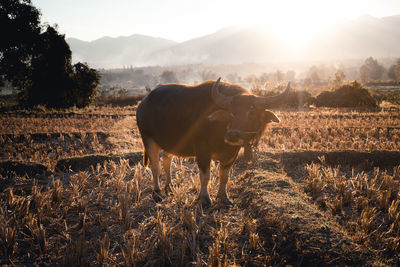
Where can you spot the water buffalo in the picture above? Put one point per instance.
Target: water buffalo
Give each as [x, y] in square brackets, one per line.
[211, 120]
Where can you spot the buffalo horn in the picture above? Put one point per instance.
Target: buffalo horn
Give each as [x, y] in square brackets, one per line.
[267, 101]
[218, 98]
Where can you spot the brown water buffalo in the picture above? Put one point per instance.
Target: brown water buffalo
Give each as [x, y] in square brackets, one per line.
[211, 120]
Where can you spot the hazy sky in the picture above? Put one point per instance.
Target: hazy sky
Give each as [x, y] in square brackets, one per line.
[180, 20]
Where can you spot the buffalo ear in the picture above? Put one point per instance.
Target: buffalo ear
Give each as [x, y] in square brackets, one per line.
[269, 116]
[220, 115]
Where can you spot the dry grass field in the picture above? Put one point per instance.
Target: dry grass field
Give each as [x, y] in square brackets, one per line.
[323, 189]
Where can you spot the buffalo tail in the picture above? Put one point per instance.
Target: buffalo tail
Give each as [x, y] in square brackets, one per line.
[145, 159]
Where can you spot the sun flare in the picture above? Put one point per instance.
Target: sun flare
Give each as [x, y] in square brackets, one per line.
[296, 22]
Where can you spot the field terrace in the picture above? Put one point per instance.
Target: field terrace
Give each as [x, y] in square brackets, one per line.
[323, 188]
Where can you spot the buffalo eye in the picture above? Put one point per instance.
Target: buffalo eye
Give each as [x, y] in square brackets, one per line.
[251, 112]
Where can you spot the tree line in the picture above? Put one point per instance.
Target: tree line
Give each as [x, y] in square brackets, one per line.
[370, 70]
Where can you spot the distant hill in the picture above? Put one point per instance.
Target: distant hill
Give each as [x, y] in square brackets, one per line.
[110, 52]
[229, 45]
[361, 38]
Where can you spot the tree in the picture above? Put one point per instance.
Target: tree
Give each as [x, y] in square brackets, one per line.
[37, 59]
[251, 79]
[50, 70]
[233, 77]
[315, 78]
[208, 75]
[364, 73]
[278, 76]
[307, 81]
[168, 77]
[392, 72]
[371, 70]
[291, 75]
[86, 81]
[339, 76]
[20, 22]
[264, 78]
[315, 74]
[397, 70]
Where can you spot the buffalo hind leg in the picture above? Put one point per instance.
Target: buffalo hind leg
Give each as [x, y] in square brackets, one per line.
[153, 151]
[167, 168]
[204, 168]
[222, 195]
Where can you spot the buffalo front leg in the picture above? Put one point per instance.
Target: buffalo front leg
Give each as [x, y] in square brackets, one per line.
[167, 168]
[153, 151]
[204, 168]
[222, 195]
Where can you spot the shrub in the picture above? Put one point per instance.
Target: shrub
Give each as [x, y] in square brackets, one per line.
[85, 81]
[298, 99]
[348, 95]
[119, 101]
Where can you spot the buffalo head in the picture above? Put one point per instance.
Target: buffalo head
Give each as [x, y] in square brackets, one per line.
[246, 114]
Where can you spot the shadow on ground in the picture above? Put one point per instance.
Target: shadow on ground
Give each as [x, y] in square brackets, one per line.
[294, 162]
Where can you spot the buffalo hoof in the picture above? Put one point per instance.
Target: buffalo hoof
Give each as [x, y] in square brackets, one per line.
[225, 202]
[205, 202]
[157, 196]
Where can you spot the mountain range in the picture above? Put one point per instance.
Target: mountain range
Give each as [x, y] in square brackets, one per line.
[360, 38]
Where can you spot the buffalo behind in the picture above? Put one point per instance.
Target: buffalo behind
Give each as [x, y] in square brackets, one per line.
[211, 120]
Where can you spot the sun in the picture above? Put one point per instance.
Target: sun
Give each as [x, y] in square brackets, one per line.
[296, 22]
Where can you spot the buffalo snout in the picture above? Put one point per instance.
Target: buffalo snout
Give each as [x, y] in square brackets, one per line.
[233, 137]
